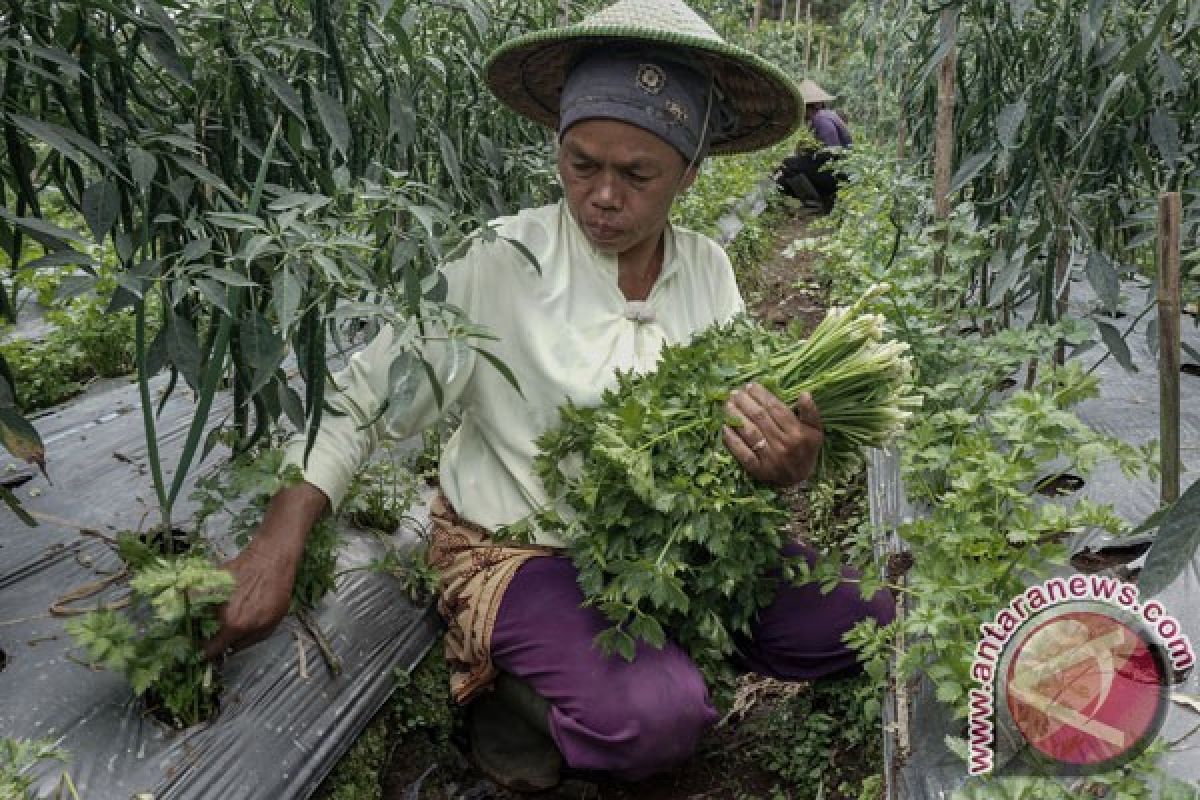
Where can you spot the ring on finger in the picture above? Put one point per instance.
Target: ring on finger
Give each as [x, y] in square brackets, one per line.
[759, 445]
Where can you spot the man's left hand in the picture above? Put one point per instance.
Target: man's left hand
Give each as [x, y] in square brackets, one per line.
[775, 444]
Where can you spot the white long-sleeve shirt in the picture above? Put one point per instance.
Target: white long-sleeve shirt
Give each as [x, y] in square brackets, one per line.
[562, 333]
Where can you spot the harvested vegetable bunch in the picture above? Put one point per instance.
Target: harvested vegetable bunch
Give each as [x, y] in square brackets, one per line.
[670, 535]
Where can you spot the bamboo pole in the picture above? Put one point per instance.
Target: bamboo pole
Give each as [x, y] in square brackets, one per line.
[1169, 212]
[758, 14]
[880, 84]
[564, 7]
[943, 159]
[808, 36]
[823, 60]
[796, 18]
[783, 13]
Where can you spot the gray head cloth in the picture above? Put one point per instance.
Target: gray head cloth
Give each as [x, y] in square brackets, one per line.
[653, 89]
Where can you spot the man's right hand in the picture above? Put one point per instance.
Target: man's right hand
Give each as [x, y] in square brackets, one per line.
[265, 571]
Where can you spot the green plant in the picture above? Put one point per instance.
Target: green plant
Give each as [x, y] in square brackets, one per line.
[1139, 779]
[47, 374]
[102, 343]
[159, 648]
[824, 738]
[19, 757]
[237, 494]
[988, 436]
[418, 722]
[250, 166]
[381, 494]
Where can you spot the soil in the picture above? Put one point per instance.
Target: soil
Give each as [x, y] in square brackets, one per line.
[731, 760]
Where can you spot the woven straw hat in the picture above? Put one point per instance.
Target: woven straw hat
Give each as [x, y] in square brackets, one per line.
[812, 92]
[528, 72]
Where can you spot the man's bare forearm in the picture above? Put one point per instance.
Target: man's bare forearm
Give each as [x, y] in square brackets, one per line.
[290, 516]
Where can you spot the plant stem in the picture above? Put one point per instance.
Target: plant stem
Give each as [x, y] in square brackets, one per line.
[143, 381]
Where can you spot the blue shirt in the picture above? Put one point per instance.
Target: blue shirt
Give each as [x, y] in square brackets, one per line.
[828, 127]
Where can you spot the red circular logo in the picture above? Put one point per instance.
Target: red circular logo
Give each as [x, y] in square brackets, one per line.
[1085, 688]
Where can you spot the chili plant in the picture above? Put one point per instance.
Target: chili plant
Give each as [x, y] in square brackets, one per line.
[251, 165]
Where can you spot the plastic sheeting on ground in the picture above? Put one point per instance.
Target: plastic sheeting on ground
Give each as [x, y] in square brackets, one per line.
[284, 720]
[917, 762]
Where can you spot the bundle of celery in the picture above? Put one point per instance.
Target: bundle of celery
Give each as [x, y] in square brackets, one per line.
[670, 535]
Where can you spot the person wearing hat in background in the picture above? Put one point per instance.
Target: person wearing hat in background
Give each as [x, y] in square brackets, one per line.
[806, 174]
[639, 94]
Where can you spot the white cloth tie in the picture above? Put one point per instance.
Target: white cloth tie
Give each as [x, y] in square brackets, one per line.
[639, 311]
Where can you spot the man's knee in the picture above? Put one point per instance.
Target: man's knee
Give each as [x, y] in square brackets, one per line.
[646, 721]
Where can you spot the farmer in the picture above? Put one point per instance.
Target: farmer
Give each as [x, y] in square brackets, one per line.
[805, 174]
[639, 94]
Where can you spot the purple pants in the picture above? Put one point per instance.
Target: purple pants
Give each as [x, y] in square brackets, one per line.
[637, 718]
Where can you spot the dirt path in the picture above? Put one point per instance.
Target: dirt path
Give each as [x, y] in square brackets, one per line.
[788, 289]
[746, 754]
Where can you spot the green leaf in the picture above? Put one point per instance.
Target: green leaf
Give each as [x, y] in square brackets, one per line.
[1114, 88]
[500, 367]
[262, 349]
[204, 175]
[101, 202]
[434, 384]
[1008, 123]
[67, 142]
[402, 379]
[1175, 545]
[286, 94]
[289, 401]
[62, 258]
[42, 228]
[228, 277]
[163, 50]
[333, 117]
[15, 506]
[214, 292]
[1102, 275]
[970, 168]
[1137, 54]
[196, 249]
[184, 349]
[8, 394]
[1164, 132]
[143, 166]
[1116, 345]
[286, 294]
[450, 160]
[525, 251]
[20, 438]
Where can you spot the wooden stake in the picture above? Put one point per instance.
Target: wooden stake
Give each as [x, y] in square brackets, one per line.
[1062, 286]
[1169, 213]
[564, 7]
[758, 14]
[943, 158]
